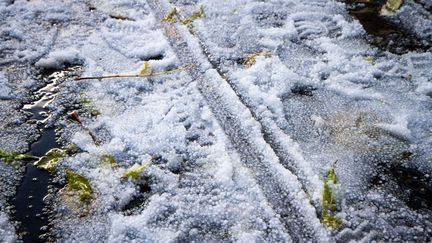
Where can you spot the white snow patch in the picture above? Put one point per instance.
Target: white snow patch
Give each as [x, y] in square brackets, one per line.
[7, 232]
[425, 88]
[399, 127]
[58, 59]
[5, 90]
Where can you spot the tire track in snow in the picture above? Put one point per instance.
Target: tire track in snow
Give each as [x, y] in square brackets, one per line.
[281, 187]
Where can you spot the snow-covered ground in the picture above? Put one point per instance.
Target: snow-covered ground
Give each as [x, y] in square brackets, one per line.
[275, 93]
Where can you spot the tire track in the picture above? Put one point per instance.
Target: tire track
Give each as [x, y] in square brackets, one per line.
[252, 139]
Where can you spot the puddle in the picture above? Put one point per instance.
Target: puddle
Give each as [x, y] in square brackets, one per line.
[383, 33]
[30, 208]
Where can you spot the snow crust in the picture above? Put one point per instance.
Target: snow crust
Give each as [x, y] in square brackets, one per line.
[5, 90]
[7, 232]
[321, 94]
[57, 59]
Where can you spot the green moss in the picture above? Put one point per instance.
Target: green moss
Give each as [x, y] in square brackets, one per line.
[370, 59]
[329, 201]
[10, 156]
[80, 185]
[135, 174]
[391, 7]
[197, 15]
[146, 69]
[251, 59]
[109, 160]
[51, 159]
[72, 149]
[394, 5]
[171, 17]
[330, 221]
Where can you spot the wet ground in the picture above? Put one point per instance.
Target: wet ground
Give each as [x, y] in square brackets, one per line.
[31, 211]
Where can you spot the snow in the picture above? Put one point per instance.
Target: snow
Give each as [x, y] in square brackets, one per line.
[399, 127]
[57, 59]
[240, 150]
[5, 89]
[168, 117]
[7, 232]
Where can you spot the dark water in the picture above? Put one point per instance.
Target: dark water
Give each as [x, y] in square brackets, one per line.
[28, 202]
[382, 32]
[30, 208]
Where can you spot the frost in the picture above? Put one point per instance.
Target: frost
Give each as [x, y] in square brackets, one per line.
[399, 128]
[58, 59]
[243, 139]
[89, 106]
[7, 231]
[5, 90]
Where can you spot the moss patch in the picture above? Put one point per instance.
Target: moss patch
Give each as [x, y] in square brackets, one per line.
[108, 160]
[329, 202]
[391, 7]
[80, 186]
[134, 174]
[11, 156]
[50, 161]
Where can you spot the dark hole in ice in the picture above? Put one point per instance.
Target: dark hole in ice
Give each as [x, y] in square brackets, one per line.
[418, 183]
[67, 69]
[92, 8]
[303, 90]
[159, 56]
[28, 202]
[383, 33]
[138, 200]
[121, 17]
[409, 184]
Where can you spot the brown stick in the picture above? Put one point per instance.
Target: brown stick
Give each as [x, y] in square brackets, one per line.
[134, 76]
[75, 117]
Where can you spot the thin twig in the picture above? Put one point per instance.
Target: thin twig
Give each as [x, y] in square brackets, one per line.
[136, 75]
[75, 117]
